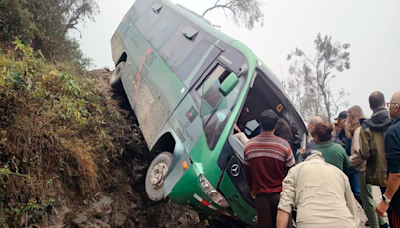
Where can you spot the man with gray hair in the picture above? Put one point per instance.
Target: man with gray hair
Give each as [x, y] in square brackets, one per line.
[322, 194]
[314, 120]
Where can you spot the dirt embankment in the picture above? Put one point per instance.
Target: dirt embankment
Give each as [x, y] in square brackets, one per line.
[124, 204]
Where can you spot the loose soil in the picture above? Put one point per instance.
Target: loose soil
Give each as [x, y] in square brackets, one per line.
[125, 203]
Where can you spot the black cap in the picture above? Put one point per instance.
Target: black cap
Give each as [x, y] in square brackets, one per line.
[342, 115]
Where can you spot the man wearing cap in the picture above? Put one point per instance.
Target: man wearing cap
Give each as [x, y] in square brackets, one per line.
[337, 130]
[346, 143]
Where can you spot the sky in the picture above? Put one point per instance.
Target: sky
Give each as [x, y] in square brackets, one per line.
[371, 27]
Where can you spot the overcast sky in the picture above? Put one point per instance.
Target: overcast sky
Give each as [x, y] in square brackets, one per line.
[371, 27]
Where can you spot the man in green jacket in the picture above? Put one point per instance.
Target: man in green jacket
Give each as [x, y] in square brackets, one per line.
[372, 149]
[372, 141]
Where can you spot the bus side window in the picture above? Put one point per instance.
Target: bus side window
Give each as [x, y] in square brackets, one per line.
[149, 18]
[163, 28]
[177, 48]
[138, 9]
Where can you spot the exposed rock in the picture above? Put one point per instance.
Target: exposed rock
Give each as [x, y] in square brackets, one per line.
[80, 219]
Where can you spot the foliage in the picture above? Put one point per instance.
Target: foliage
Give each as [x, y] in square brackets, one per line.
[54, 136]
[45, 24]
[309, 84]
[243, 12]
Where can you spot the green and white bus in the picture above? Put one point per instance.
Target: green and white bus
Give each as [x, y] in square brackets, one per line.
[190, 86]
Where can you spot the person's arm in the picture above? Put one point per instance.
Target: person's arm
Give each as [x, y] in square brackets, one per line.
[287, 201]
[346, 160]
[365, 148]
[355, 158]
[392, 145]
[290, 161]
[282, 219]
[350, 201]
[247, 172]
[393, 185]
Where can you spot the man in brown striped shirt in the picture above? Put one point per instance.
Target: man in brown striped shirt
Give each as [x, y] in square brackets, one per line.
[268, 159]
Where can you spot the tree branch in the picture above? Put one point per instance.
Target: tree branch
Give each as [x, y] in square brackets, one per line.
[218, 6]
[311, 62]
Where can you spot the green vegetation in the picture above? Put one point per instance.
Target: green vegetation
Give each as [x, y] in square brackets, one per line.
[44, 25]
[55, 135]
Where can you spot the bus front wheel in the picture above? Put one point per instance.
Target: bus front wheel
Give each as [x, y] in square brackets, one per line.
[115, 80]
[155, 176]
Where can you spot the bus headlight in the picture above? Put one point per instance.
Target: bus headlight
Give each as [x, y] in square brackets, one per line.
[211, 192]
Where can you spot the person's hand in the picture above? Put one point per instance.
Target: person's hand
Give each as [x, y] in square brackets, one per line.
[381, 208]
[252, 195]
[237, 128]
[303, 151]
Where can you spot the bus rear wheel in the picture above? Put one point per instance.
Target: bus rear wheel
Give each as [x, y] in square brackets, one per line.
[115, 80]
[155, 176]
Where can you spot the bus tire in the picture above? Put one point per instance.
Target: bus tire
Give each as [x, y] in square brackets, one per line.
[155, 176]
[115, 79]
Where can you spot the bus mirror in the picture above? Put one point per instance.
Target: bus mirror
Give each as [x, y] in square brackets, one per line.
[229, 84]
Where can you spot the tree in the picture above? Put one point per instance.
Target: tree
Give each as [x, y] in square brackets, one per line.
[44, 25]
[311, 77]
[243, 12]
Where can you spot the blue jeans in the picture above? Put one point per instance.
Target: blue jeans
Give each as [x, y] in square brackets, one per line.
[355, 186]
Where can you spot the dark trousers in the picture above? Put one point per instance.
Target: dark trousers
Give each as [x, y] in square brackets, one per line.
[267, 209]
[355, 186]
[394, 218]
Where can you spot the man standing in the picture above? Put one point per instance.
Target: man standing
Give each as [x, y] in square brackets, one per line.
[392, 146]
[321, 192]
[372, 140]
[372, 149]
[267, 161]
[346, 143]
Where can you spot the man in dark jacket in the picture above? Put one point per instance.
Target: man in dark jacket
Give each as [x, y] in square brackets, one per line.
[372, 149]
[391, 197]
[372, 140]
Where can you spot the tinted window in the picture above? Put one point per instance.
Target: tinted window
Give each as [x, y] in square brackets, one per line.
[163, 28]
[191, 62]
[178, 47]
[149, 17]
[138, 9]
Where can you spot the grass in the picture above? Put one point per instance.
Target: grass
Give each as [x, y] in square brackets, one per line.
[54, 134]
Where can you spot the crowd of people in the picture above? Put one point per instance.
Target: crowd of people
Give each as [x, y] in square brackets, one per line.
[339, 166]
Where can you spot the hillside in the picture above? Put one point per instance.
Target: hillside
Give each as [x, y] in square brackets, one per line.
[71, 152]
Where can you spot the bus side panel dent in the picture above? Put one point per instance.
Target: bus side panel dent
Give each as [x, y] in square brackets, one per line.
[177, 168]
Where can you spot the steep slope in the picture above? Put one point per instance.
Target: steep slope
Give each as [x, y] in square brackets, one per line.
[70, 156]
